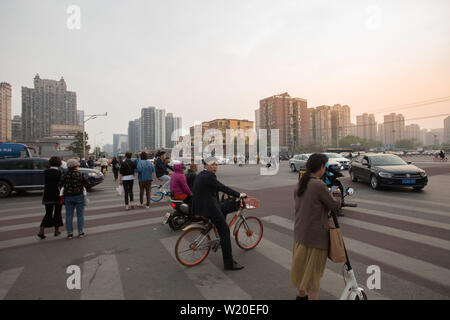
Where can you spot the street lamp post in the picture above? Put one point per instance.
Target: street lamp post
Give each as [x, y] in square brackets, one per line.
[89, 117]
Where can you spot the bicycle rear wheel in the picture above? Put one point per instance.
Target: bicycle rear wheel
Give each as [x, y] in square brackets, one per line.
[156, 194]
[249, 233]
[192, 247]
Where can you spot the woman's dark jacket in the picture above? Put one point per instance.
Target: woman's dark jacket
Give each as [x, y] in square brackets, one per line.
[52, 177]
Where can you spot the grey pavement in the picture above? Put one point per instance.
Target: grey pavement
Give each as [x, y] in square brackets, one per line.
[130, 255]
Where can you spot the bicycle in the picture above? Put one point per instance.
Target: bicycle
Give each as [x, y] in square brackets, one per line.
[157, 194]
[196, 240]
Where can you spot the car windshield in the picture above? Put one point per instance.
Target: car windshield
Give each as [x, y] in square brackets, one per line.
[387, 161]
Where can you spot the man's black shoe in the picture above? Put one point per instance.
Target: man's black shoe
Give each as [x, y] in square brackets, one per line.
[234, 266]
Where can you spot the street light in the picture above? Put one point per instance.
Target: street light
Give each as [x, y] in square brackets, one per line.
[89, 117]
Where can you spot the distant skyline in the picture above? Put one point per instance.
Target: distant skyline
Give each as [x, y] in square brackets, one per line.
[209, 59]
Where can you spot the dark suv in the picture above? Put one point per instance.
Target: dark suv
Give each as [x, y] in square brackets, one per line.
[22, 174]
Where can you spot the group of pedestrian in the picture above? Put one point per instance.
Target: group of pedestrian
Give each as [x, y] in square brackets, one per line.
[63, 188]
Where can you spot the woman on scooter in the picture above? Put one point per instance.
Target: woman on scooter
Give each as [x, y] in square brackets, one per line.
[179, 186]
[313, 201]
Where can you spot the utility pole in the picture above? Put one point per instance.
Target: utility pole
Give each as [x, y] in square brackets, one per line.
[89, 117]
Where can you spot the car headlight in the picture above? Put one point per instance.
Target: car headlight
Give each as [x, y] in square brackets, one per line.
[385, 174]
[423, 174]
[92, 174]
[342, 167]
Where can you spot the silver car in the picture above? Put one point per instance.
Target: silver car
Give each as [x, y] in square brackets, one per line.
[298, 162]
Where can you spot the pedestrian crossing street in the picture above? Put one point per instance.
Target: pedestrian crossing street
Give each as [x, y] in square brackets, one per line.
[407, 239]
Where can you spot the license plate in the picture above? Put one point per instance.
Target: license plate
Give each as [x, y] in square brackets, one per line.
[408, 181]
[166, 217]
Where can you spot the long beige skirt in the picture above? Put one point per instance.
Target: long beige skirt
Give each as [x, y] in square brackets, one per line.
[308, 266]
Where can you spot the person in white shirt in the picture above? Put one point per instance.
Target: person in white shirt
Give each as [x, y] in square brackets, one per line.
[104, 164]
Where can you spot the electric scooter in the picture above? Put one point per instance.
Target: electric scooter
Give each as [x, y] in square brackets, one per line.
[351, 291]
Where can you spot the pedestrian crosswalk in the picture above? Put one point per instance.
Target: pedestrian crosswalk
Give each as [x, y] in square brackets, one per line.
[371, 228]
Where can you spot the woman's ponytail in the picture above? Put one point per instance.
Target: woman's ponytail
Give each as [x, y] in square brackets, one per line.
[314, 164]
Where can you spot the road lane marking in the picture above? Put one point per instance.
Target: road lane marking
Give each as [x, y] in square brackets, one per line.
[331, 282]
[101, 279]
[121, 213]
[211, 281]
[434, 224]
[401, 206]
[7, 280]
[89, 231]
[88, 209]
[383, 197]
[417, 237]
[413, 266]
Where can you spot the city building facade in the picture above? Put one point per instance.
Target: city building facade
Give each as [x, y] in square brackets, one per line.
[394, 128]
[16, 129]
[5, 111]
[48, 103]
[366, 127]
[289, 115]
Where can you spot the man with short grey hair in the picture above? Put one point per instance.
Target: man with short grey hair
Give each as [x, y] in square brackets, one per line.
[205, 202]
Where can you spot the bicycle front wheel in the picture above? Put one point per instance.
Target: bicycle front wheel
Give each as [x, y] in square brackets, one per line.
[192, 247]
[249, 233]
[156, 194]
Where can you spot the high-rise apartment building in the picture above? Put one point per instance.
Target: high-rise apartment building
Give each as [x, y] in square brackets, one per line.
[80, 115]
[340, 121]
[322, 126]
[48, 103]
[366, 127]
[288, 115]
[172, 124]
[120, 143]
[394, 128]
[16, 129]
[5, 111]
[412, 132]
[447, 130]
[148, 141]
[160, 128]
[134, 135]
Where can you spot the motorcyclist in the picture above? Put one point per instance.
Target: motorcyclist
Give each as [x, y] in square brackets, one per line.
[330, 178]
[442, 154]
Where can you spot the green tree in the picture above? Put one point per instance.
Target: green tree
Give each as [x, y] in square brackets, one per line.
[77, 145]
[407, 144]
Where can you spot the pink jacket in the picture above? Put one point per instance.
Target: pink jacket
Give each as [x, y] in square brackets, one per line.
[178, 183]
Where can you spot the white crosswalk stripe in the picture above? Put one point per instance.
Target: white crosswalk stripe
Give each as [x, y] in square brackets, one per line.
[414, 266]
[101, 278]
[213, 283]
[405, 207]
[7, 280]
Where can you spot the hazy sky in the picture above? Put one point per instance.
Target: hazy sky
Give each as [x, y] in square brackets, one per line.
[205, 59]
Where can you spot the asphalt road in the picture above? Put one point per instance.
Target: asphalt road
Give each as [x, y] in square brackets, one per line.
[129, 255]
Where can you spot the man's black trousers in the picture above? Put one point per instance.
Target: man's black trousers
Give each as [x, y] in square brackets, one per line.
[225, 242]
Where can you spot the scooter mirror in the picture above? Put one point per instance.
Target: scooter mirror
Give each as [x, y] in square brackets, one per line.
[350, 191]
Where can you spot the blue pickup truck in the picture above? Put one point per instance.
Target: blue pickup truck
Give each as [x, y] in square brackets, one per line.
[22, 174]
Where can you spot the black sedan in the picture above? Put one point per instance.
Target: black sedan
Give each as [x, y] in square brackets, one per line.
[387, 170]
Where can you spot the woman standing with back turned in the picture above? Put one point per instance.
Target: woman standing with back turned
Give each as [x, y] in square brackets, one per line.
[51, 200]
[313, 201]
[127, 178]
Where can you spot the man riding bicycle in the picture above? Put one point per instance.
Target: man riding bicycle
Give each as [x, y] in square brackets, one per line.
[205, 202]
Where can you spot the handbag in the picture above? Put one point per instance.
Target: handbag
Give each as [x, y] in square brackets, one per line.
[336, 251]
[119, 190]
[229, 205]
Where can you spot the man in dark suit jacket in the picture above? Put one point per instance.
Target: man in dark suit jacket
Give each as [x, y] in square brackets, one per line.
[205, 202]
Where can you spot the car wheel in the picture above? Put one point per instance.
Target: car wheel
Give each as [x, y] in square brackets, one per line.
[5, 189]
[293, 168]
[374, 182]
[352, 175]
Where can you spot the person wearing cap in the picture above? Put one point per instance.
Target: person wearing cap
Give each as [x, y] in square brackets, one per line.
[74, 182]
[205, 202]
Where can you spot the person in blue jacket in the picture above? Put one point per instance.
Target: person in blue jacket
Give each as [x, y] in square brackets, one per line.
[145, 170]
